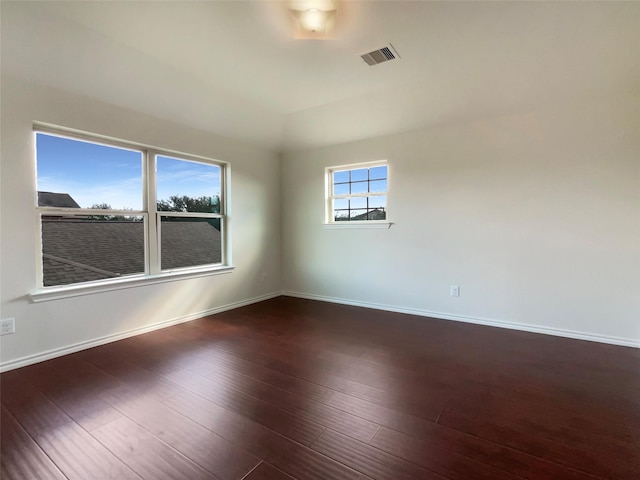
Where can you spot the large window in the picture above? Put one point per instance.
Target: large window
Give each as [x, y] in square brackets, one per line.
[357, 193]
[110, 210]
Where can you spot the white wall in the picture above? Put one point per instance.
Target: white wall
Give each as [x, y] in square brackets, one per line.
[536, 216]
[60, 324]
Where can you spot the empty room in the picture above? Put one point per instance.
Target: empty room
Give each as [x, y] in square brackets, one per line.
[320, 239]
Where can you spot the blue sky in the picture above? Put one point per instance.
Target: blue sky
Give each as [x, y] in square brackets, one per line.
[361, 180]
[180, 177]
[96, 174]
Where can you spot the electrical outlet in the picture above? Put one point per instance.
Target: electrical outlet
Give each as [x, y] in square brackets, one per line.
[454, 290]
[7, 326]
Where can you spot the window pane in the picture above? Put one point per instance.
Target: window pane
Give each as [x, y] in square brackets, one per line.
[341, 189]
[340, 177]
[360, 202]
[360, 187]
[341, 215]
[340, 203]
[359, 174]
[185, 186]
[87, 248]
[378, 186]
[189, 242]
[378, 173]
[378, 202]
[376, 214]
[77, 174]
[358, 215]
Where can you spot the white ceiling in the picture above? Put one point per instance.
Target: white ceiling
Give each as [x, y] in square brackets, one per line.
[233, 68]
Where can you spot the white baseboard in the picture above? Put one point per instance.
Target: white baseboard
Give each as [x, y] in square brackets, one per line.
[477, 320]
[58, 352]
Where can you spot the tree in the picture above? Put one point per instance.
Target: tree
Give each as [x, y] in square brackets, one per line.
[101, 206]
[175, 203]
[184, 203]
[110, 218]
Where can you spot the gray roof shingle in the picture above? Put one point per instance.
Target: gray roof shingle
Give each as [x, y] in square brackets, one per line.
[76, 251]
[51, 199]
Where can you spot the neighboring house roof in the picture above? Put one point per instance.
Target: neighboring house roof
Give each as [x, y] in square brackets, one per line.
[76, 251]
[376, 214]
[60, 271]
[61, 200]
[187, 244]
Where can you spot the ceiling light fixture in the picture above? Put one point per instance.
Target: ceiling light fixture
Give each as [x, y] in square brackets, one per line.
[312, 19]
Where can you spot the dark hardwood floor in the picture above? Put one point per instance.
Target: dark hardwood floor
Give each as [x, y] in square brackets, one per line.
[295, 389]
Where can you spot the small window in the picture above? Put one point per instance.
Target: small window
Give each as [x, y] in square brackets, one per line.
[357, 193]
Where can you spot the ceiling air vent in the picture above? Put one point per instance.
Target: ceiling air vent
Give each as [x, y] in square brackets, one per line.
[380, 56]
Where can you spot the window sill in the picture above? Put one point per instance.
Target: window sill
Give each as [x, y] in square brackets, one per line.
[57, 293]
[369, 224]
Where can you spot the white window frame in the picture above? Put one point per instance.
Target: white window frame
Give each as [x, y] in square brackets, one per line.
[151, 219]
[330, 221]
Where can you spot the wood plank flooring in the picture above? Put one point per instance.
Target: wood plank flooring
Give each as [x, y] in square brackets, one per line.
[296, 389]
